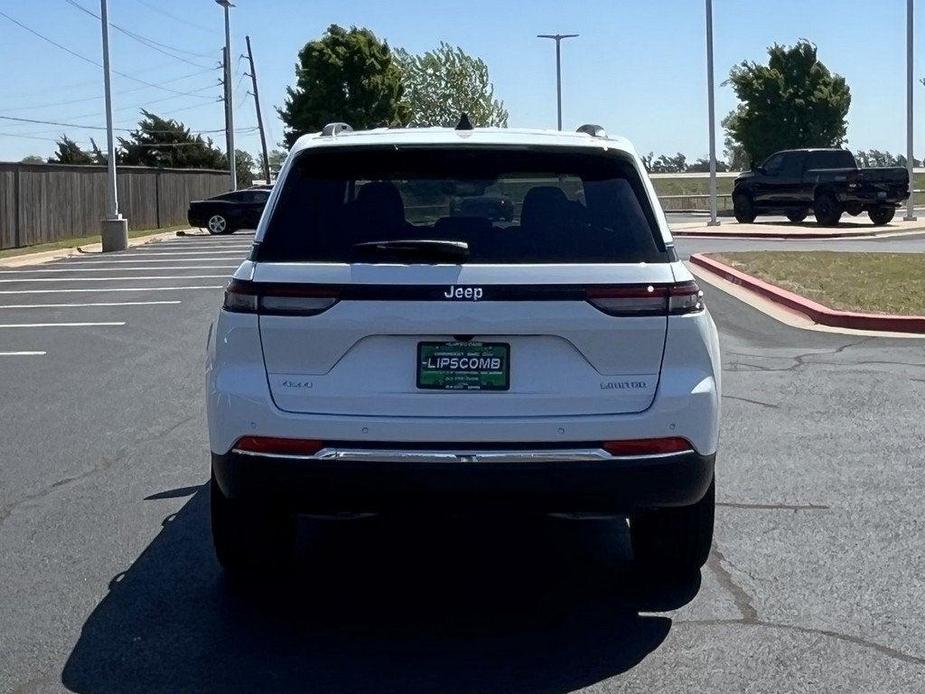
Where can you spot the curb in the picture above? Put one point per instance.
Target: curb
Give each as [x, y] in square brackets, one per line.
[91, 249]
[812, 235]
[817, 312]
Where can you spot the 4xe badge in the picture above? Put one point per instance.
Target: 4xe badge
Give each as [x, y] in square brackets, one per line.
[469, 293]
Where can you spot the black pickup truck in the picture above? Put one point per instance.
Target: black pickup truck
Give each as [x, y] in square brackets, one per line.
[826, 181]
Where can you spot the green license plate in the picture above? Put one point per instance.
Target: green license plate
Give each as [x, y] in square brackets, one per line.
[464, 365]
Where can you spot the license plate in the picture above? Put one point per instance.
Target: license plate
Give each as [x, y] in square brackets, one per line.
[464, 365]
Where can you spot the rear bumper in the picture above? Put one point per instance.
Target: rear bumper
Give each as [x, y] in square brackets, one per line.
[871, 196]
[605, 486]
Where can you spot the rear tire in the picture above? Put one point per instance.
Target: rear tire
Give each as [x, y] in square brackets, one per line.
[743, 208]
[827, 210]
[797, 216]
[676, 540]
[881, 215]
[249, 540]
[217, 224]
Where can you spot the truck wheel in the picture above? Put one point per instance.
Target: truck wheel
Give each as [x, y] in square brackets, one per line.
[743, 208]
[675, 539]
[881, 215]
[827, 210]
[797, 216]
[249, 539]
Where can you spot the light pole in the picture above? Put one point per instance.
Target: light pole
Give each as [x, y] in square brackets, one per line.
[910, 66]
[229, 111]
[558, 39]
[114, 233]
[711, 115]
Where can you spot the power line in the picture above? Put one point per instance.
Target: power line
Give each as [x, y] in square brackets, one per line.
[101, 127]
[164, 12]
[100, 96]
[144, 40]
[85, 58]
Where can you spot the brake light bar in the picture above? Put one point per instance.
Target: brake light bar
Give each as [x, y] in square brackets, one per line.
[271, 445]
[244, 296]
[642, 447]
[646, 300]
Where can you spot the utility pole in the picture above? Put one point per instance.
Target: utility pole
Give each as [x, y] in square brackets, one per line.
[114, 234]
[910, 67]
[229, 111]
[711, 115]
[263, 137]
[558, 39]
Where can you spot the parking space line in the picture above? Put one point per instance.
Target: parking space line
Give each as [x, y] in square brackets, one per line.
[103, 261]
[62, 325]
[94, 303]
[115, 279]
[205, 251]
[22, 354]
[109, 289]
[120, 269]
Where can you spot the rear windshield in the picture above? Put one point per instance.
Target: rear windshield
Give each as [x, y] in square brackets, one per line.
[506, 205]
[839, 159]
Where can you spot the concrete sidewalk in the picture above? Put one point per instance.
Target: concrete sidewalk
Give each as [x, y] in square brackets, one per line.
[805, 230]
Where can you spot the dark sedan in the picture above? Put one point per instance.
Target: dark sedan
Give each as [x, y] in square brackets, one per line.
[228, 212]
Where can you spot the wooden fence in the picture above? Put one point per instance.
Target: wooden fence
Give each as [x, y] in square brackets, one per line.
[41, 203]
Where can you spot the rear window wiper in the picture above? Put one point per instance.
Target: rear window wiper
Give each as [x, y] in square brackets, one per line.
[424, 249]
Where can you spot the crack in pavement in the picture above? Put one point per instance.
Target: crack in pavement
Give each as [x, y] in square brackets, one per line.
[769, 405]
[105, 464]
[774, 507]
[857, 640]
[740, 597]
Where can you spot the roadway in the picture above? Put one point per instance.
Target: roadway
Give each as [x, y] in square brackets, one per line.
[108, 582]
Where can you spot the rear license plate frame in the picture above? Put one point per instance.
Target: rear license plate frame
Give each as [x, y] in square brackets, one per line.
[459, 379]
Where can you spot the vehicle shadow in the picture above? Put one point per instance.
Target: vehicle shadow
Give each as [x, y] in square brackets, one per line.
[388, 605]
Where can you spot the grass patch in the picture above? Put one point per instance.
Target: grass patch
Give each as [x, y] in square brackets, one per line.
[887, 283]
[82, 241]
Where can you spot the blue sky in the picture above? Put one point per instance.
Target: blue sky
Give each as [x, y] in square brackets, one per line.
[638, 68]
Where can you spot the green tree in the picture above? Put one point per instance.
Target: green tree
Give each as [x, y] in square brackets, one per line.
[702, 165]
[444, 83]
[277, 158]
[69, 152]
[32, 159]
[346, 75]
[793, 101]
[244, 165]
[164, 142]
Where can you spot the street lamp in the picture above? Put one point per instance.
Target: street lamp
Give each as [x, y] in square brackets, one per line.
[558, 39]
[114, 234]
[711, 114]
[910, 66]
[229, 111]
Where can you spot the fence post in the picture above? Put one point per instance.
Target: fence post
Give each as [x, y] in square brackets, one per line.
[157, 199]
[17, 207]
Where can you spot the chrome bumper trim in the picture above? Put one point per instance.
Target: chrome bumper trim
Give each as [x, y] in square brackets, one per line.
[382, 455]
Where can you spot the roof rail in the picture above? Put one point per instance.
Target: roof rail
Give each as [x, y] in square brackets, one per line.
[592, 130]
[332, 129]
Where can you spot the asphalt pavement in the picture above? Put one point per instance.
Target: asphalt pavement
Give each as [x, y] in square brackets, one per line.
[108, 582]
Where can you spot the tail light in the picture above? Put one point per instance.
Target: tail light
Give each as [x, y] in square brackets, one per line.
[663, 446]
[270, 445]
[684, 297]
[646, 300]
[243, 296]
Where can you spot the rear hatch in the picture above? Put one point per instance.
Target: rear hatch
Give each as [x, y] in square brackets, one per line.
[376, 300]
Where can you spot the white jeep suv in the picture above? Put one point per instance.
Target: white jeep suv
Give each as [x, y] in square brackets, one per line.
[386, 348]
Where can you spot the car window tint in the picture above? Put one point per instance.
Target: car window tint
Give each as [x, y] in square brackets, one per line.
[834, 159]
[509, 205]
[773, 164]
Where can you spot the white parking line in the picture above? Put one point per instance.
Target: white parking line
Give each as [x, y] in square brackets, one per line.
[115, 279]
[205, 251]
[93, 303]
[22, 354]
[61, 325]
[109, 289]
[120, 269]
[103, 261]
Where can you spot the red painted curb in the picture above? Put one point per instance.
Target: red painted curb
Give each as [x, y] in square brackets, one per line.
[817, 312]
